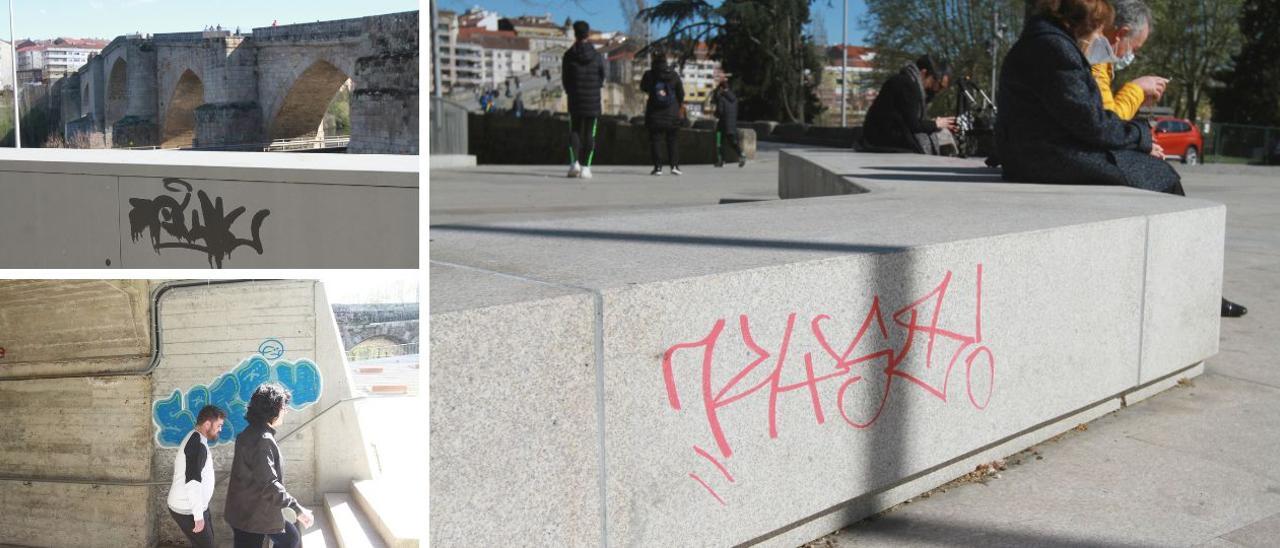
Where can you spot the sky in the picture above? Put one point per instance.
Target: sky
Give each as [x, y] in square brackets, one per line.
[110, 18]
[607, 14]
[372, 287]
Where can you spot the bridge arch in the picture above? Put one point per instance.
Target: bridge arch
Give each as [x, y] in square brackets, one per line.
[378, 346]
[304, 106]
[180, 116]
[117, 91]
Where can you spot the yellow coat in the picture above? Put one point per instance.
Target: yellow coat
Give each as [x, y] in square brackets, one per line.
[1126, 102]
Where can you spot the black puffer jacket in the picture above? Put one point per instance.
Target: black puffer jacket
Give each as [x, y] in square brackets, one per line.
[656, 114]
[583, 75]
[726, 110]
[1052, 127]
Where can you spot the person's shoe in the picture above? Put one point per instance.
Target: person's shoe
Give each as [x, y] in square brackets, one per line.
[719, 163]
[742, 161]
[575, 170]
[586, 173]
[657, 172]
[676, 171]
[1232, 310]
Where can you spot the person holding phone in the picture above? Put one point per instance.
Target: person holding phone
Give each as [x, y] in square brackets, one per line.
[256, 495]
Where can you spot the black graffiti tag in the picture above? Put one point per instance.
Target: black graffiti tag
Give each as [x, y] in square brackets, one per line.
[165, 218]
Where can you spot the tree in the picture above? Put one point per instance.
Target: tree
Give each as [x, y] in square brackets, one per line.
[1251, 87]
[775, 66]
[1190, 42]
[957, 30]
[637, 27]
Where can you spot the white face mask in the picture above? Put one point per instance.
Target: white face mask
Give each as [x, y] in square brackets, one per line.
[1125, 61]
[1100, 51]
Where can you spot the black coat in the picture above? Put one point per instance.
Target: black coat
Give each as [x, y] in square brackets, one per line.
[898, 113]
[583, 76]
[658, 116]
[1052, 127]
[256, 492]
[726, 110]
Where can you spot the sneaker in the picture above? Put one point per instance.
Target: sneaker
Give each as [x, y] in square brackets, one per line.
[742, 161]
[719, 163]
[586, 173]
[657, 172]
[575, 170]
[676, 171]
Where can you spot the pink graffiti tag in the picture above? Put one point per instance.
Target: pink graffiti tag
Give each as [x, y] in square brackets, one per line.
[920, 322]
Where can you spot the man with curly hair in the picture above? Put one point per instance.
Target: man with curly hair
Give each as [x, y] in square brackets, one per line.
[256, 495]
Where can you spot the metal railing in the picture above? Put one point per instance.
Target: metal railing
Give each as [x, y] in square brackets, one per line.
[1242, 144]
[448, 127]
[375, 352]
[277, 145]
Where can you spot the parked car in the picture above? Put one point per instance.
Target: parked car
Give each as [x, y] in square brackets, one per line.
[1180, 139]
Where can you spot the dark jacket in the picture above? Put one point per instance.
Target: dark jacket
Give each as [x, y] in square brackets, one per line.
[898, 118]
[583, 75]
[1052, 127]
[656, 115]
[726, 109]
[255, 492]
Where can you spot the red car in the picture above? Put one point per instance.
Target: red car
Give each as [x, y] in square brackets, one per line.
[1180, 139]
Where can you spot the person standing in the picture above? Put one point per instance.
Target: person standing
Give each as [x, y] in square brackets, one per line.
[726, 104]
[662, 111]
[192, 485]
[582, 74]
[256, 494]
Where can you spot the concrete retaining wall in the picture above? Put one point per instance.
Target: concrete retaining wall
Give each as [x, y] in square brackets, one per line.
[96, 209]
[767, 372]
[544, 140]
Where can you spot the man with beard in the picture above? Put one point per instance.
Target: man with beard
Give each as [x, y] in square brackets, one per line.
[897, 122]
[192, 485]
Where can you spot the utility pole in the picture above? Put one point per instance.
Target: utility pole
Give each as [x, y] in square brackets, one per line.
[13, 46]
[844, 67]
[995, 47]
[435, 48]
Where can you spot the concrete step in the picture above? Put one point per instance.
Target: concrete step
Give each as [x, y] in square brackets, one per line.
[351, 527]
[393, 509]
[320, 534]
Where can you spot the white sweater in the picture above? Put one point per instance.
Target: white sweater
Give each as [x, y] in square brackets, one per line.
[192, 485]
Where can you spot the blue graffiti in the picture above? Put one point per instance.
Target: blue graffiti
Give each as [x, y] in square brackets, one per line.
[175, 416]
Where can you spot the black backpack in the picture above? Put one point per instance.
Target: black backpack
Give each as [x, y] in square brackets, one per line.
[663, 93]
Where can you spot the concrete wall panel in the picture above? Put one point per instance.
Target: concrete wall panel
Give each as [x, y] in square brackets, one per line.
[61, 327]
[513, 411]
[78, 209]
[1181, 322]
[79, 428]
[104, 516]
[48, 222]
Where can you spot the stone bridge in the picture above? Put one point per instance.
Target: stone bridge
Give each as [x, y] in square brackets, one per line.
[220, 89]
[357, 323]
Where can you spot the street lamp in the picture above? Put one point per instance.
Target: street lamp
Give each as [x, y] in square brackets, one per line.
[13, 47]
[844, 67]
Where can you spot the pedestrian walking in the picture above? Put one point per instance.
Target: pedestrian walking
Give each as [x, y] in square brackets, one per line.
[193, 481]
[582, 75]
[257, 500]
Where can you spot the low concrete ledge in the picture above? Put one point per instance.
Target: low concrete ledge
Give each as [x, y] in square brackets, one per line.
[766, 372]
[170, 209]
